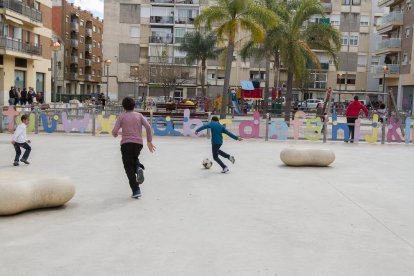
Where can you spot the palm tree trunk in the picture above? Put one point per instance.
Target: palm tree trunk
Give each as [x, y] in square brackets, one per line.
[266, 93]
[203, 77]
[229, 60]
[276, 70]
[289, 89]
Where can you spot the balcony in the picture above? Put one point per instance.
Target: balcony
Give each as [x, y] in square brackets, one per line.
[327, 6]
[88, 77]
[73, 76]
[74, 43]
[388, 3]
[162, 19]
[88, 47]
[18, 46]
[179, 40]
[184, 20]
[390, 22]
[161, 39]
[25, 10]
[388, 46]
[163, 2]
[74, 26]
[88, 32]
[170, 60]
[187, 2]
[88, 62]
[393, 71]
[74, 59]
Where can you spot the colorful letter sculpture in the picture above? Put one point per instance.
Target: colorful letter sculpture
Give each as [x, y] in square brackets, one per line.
[28, 193]
[69, 125]
[10, 114]
[307, 157]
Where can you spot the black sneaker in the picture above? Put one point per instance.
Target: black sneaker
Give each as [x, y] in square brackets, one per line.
[232, 159]
[137, 193]
[25, 161]
[16, 163]
[140, 175]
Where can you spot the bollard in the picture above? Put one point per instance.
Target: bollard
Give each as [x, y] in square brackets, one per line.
[267, 126]
[385, 122]
[93, 122]
[208, 130]
[36, 120]
[325, 127]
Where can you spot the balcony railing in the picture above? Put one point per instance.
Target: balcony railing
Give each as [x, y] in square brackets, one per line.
[179, 39]
[393, 69]
[88, 32]
[391, 17]
[162, 19]
[161, 39]
[184, 20]
[23, 9]
[188, 2]
[88, 62]
[162, 1]
[74, 26]
[18, 46]
[74, 59]
[389, 43]
[74, 43]
[73, 76]
[170, 60]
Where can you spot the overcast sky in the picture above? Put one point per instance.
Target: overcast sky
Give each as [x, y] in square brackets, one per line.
[95, 6]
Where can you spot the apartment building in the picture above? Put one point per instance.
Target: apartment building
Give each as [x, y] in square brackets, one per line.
[81, 33]
[147, 33]
[25, 55]
[396, 51]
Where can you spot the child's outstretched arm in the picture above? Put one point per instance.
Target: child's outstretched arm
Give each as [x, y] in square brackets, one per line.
[232, 135]
[117, 127]
[202, 128]
[147, 126]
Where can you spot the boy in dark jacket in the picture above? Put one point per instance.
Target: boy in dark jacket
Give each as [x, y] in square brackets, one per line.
[217, 131]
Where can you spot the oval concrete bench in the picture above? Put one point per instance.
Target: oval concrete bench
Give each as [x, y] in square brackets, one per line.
[28, 194]
[307, 157]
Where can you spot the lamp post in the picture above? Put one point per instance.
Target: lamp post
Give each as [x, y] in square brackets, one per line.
[107, 63]
[55, 48]
[385, 71]
[136, 83]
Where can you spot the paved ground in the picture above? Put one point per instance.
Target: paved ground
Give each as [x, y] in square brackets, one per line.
[354, 218]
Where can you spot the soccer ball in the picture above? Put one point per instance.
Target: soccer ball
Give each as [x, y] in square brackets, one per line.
[207, 163]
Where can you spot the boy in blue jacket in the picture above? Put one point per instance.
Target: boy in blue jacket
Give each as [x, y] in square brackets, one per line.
[217, 131]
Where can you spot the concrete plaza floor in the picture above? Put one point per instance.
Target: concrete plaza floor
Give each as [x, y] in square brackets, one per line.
[262, 218]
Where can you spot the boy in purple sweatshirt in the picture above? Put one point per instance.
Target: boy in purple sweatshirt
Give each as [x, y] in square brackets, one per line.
[132, 143]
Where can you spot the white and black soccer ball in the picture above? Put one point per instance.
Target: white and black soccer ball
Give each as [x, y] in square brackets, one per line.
[207, 163]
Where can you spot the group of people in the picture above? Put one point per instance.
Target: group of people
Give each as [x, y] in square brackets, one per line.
[23, 96]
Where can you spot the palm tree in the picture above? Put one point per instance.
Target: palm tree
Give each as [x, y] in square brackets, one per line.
[298, 40]
[200, 47]
[230, 17]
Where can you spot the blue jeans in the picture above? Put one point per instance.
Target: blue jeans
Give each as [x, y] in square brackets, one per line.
[27, 148]
[216, 152]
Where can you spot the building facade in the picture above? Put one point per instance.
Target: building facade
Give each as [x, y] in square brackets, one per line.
[25, 38]
[396, 52]
[81, 34]
[147, 32]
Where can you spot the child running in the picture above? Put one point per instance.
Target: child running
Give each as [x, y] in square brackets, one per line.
[132, 143]
[20, 140]
[217, 131]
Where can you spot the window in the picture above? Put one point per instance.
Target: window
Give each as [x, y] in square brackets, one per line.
[351, 79]
[405, 59]
[99, 30]
[375, 61]
[409, 5]
[407, 32]
[362, 60]
[351, 2]
[364, 20]
[99, 45]
[98, 59]
[67, 19]
[81, 55]
[319, 80]
[36, 5]
[94, 44]
[82, 23]
[36, 40]
[93, 72]
[20, 62]
[20, 79]
[82, 39]
[40, 82]
[335, 19]
[256, 75]
[94, 28]
[344, 39]
[353, 40]
[134, 32]
[80, 71]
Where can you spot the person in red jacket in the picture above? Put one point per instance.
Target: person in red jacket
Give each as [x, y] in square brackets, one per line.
[352, 114]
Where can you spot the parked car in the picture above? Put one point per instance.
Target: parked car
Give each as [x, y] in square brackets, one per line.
[309, 104]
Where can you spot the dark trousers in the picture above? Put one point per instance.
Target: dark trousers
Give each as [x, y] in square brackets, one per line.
[216, 152]
[351, 125]
[27, 148]
[130, 153]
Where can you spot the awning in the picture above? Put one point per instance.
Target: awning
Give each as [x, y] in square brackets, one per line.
[246, 85]
[14, 20]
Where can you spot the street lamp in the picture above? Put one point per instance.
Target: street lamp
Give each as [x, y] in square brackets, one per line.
[55, 48]
[340, 86]
[107, 63]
